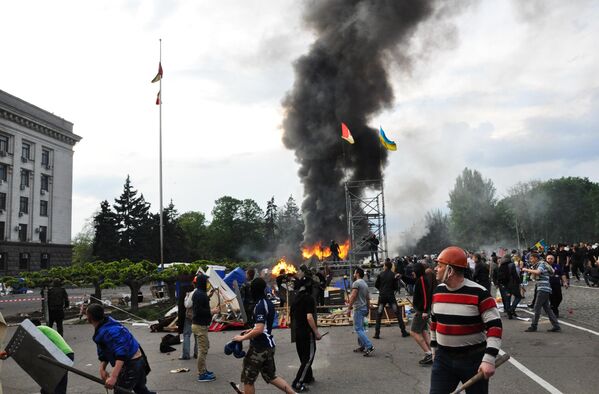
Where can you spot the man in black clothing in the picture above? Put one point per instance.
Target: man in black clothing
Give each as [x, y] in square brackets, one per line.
[578, 258]
[282, 288]
[58, 301]
[246, 296]
[303, 312]
[335, 250]
[423, 294]
[387, 285]
[373, 243]
[481, 272]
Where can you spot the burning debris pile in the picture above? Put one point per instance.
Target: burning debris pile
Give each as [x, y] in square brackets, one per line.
[343, 78]
[323, 253]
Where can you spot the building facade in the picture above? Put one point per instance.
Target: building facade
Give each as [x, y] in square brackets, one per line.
[36, 182]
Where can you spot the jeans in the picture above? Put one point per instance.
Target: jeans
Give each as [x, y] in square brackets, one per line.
[186, 340]
[543, 303]
[506, 297]
[384, 301]
[359, 315]
[449, 369]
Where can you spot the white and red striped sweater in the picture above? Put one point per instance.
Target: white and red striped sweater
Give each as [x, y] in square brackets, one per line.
[465, 317]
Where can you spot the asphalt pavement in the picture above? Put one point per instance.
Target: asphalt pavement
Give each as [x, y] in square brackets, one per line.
[541, 362]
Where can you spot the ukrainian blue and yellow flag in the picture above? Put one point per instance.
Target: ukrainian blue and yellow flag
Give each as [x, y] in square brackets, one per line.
[541, 245]
[387, 143]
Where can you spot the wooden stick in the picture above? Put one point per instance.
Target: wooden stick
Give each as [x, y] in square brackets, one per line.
[81, 373]
[473, 380]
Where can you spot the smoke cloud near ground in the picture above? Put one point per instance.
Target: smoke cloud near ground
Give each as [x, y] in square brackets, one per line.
[344, 78]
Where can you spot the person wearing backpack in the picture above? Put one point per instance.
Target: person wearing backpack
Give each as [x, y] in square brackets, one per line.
[544, 271]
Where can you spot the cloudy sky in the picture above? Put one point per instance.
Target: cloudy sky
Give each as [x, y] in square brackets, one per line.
[508, 88]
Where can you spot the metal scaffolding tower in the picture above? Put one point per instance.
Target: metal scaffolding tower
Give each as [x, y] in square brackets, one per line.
[365, 205]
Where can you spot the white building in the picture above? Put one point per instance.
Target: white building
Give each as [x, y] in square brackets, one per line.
[36, 181]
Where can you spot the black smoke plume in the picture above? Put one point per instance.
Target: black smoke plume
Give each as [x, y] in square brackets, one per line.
[344, 78]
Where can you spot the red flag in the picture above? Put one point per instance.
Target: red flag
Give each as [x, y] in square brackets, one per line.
[158, 76]
[158, 101]
[345, 134]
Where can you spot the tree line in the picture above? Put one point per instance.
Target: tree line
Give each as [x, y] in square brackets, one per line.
[564, 210]
[239, 231]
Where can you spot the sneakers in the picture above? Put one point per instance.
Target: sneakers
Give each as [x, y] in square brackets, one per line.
[300, 389]
[359, 349]
[184, 358]
[428, 359]
[554, 329]
[368, 351]
[531, 329]
[206, 377]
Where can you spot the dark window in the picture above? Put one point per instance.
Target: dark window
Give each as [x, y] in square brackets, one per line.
[24, 205]
[23, 261]
[3, 143]
[45, 182]
[43, 208]
[2, 228]
[3, 201]
[3, 172]
[25, 150]
[3, 258]
[23, 232]
[44, 260]
[43, 234]
[45, 157]
[24, 178]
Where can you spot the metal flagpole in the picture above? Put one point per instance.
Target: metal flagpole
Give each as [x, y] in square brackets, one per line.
[160, 167]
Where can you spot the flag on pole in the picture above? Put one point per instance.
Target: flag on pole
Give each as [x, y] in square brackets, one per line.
[158, 101]
[387, 143]
[541, 245]
[345, 134]
[158, 76]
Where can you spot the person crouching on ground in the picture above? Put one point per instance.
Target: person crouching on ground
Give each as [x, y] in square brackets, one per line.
[260, 357]
[200, 321]
[117, 346]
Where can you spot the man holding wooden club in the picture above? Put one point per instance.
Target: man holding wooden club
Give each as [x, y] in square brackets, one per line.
[465, 327]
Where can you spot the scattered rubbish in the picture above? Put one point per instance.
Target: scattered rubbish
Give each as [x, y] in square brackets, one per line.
[179, 370]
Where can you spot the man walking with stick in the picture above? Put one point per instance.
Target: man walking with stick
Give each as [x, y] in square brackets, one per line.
[465, 327]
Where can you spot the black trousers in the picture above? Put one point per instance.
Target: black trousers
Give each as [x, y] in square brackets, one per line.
[306, 350]
[555, 299]
[391, 301]
[133, 377]
[56, 315]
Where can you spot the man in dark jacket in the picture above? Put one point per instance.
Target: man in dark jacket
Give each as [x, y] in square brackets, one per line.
[304, 320]
[481, 272]
[509, 285]
[202, 317]
[246, 296]
[58, 301]
[117, 347]
[423, 294]
[386, 284]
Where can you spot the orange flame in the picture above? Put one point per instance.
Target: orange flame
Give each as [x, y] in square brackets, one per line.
[324, 252]
[283, 265]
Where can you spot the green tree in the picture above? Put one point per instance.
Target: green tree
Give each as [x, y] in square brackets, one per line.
[224, 237]
[270, 224]
[106, 243]
[132, 213]
[437, 236]
[133, 275]
[291, 224]
[193, 225]
[251, 225]
[473, 214]
[83, 243]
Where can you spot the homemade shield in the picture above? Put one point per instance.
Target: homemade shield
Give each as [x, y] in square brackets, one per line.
[26, 344]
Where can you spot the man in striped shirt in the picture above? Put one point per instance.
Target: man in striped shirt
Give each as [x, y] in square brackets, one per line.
[465, 327]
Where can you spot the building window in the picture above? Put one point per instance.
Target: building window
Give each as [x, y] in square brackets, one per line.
[45, 157]
[23, 232]
[3, 143]
[24, 205]
[43, 208]
[3, 201]
[24, 261]
[25, 150]
[45, 182]
[2, 228]
[24, 178]
[3, 172]
[3, 259]
[44, 260]
[43, 234]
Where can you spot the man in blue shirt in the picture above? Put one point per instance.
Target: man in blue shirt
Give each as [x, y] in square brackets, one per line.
[260, 357]
[544, 271]
[117, 346]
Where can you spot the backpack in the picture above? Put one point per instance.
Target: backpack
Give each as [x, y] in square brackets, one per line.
[189, 305]
[503, 274]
